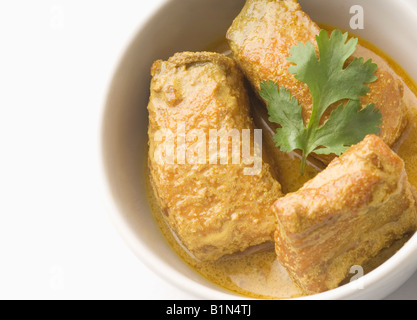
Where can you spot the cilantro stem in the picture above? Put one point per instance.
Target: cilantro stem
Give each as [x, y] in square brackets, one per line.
[311, 127]
[303, 164]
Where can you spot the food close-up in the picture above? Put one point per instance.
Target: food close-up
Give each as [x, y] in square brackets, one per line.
[281, 157]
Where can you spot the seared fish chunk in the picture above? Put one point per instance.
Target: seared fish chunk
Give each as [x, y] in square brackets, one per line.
[216, 205]
[261, 38]
[360, 204]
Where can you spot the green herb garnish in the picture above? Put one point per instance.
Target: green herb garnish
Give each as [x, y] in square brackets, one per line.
[329, 82]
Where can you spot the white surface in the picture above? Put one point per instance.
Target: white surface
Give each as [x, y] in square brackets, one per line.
[56, 241]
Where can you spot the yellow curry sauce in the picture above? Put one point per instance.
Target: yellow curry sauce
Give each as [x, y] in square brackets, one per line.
[257, 273]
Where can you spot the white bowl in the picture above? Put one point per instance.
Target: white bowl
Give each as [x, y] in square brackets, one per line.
[189, 25]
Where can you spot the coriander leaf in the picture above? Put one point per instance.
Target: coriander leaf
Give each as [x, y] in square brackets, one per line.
[326, 77]
[347, 125]
[286, 111]
[330, 80]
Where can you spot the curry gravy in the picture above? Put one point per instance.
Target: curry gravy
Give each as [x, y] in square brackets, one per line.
[256, 273]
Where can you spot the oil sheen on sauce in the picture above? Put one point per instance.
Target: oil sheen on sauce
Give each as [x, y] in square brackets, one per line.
[257, 273]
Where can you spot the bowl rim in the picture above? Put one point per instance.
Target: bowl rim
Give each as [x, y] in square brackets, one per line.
[152, 260]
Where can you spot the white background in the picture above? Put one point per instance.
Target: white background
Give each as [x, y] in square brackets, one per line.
[56, 240]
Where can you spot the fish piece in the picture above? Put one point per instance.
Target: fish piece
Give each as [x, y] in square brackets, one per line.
[261, 38]
[215, 206]
[360, 204]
